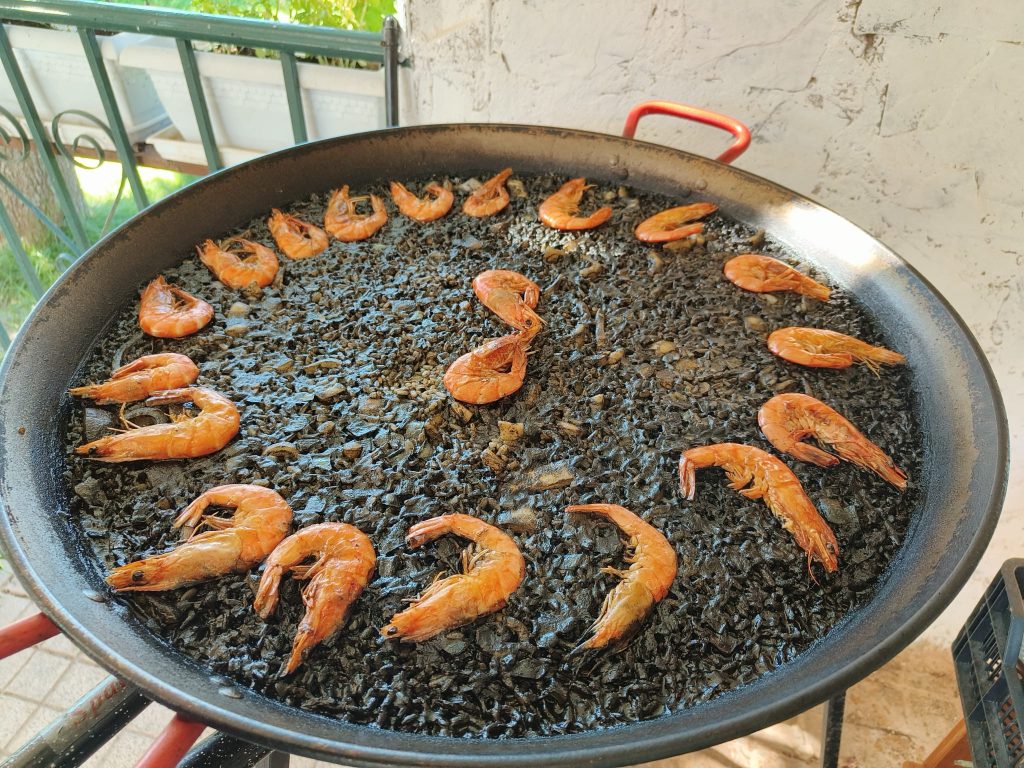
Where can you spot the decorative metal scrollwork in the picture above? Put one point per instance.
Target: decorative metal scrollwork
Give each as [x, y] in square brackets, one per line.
[85, 139]
[7, 139]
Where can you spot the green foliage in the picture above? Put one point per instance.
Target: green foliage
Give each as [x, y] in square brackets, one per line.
[16, 300]
[343, 14]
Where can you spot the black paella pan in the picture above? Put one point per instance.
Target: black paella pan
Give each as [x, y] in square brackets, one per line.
[961, 416]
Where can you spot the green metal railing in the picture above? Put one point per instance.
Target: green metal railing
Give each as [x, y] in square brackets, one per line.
[184, 28]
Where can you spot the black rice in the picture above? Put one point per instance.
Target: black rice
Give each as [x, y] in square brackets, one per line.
[646, 352]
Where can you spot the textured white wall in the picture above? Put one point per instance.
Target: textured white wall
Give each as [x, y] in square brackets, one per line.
[905, 117]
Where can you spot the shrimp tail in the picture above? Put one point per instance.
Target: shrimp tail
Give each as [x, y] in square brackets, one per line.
[620, 620]
[267, 595]
[687, 477]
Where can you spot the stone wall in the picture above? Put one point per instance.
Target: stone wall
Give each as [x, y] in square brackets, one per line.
[903, 116]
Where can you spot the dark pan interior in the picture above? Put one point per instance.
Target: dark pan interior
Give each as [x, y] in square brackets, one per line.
[962, 417]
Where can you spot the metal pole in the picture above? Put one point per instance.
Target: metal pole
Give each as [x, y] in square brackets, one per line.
[74, 736]
[24, 263]
[832, 730]
[292, 89]
[389, 40]
[114, 121]
[202, 112]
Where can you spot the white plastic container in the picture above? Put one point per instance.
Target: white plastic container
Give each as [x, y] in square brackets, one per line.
[247, 100]
[58, 77]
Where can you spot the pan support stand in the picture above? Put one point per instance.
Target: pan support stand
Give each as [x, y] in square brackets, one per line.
[832, 730]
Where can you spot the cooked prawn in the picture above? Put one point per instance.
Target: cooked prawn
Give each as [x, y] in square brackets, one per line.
[819, 348]
[141, 378]
[789, 418]
[674, 223]
[763, 274]
[167, 312]
[512, 297]
[344, 563]
[644, 583]
[422, 210]
[771, 480]
[559, 210]
[183, 438]
[491, 571]
[490, 372]
[298, 239]
[234, 545]
[239, 263]
[490, 198]
[342, 221]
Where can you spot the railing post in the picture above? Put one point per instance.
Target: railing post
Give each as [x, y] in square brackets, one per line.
[389, 40]
[114, 120]
[293, 90]
[24, 263]
[202, 112]
[42, 141]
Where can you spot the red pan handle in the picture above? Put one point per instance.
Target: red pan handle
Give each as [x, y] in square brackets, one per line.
[726, 123]
[172, 743]
[24, 633]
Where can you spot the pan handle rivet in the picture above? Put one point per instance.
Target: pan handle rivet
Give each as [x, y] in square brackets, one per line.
[231, 693]
[95, 596]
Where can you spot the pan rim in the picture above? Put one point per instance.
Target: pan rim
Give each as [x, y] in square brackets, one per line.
[544, 749]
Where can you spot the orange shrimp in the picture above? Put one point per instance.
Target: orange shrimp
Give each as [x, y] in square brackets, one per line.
[342, 221]
[422, 210]
[344, 564]
[490, 372]
[763, 274]
[559, 210]
[512, 297]
[819, 348]
[239, 263]
[167, 312]
[298, 239]
[235, 545]
[491, 572]
[141, 378]
[771, 480]
[644, 583]
[490, 198]
[183, 438]
[789, 418]
[673, 223]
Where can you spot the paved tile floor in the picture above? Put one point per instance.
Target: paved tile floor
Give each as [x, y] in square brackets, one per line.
[898, 713]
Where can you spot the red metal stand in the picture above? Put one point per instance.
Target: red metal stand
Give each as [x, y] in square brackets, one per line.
[172, 744]
[27, 632]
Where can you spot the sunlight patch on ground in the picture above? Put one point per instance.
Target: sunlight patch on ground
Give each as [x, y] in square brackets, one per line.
[100, 184]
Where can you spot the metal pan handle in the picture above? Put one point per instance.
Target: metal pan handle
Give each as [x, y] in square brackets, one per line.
[726, 123]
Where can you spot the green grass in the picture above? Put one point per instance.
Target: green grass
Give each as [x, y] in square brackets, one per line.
[99, 188]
